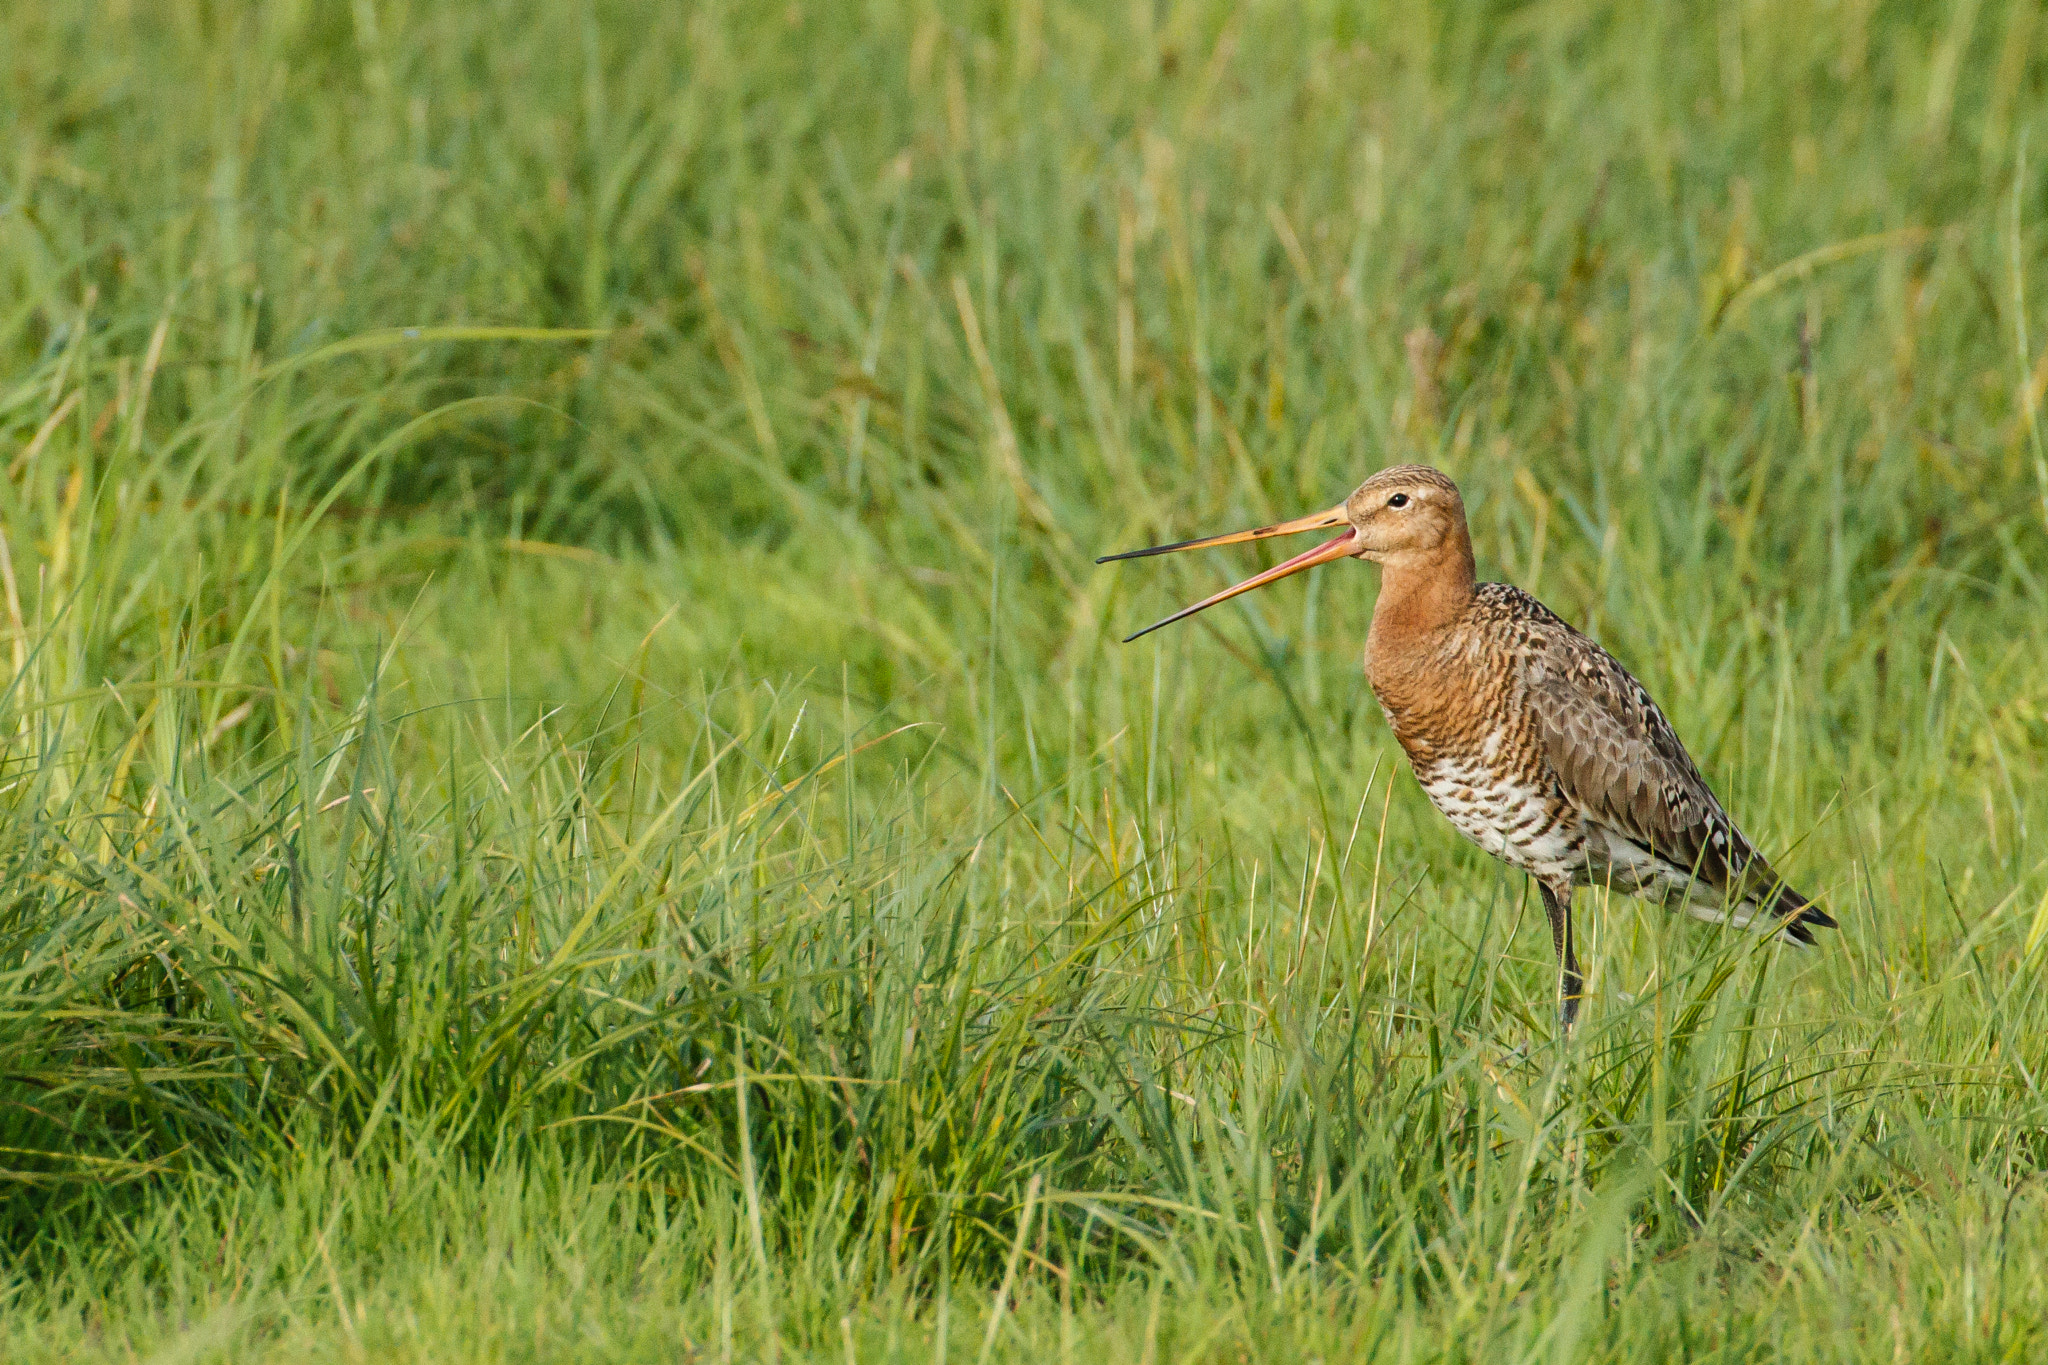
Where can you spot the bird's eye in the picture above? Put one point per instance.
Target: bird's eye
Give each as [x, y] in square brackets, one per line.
[1398, 500]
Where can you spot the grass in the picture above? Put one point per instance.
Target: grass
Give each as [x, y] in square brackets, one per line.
[570, 790]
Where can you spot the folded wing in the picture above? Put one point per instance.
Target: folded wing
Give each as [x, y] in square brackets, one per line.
[1622, 767]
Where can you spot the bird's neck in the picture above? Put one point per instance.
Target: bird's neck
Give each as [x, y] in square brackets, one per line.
[1421, 595]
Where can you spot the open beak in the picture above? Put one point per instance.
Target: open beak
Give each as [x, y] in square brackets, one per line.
[1339, 548]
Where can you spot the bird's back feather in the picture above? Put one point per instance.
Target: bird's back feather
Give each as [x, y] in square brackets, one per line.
[1617, 759]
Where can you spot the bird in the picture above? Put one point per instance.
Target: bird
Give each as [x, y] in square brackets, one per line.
[1533, 741]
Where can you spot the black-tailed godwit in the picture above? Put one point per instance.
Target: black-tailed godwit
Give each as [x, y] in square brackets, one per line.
[1530, 738]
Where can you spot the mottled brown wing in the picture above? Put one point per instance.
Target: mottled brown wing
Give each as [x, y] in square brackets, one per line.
[1621, 764]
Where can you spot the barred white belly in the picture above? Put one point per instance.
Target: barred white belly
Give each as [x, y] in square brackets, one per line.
[1520, 823]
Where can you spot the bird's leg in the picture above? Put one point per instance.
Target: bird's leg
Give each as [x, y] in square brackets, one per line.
[1557, 903]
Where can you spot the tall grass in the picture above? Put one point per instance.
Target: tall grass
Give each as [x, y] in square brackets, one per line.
[570, 790]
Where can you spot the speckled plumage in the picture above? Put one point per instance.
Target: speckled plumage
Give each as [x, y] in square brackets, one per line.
[1534, 742]
[1537, 745]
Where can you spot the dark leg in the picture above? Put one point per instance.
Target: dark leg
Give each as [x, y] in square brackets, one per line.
[1570, 985]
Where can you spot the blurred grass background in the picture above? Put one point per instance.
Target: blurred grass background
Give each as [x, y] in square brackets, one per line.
[569, 787]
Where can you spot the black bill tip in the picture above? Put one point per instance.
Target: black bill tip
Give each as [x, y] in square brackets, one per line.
[1154, 550]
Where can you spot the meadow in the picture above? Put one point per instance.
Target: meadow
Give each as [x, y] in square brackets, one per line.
[568, 786]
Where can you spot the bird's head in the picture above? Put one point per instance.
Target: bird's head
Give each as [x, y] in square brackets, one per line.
[1406, 511]
[1405, 515]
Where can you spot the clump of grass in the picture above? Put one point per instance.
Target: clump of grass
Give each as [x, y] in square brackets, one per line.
[568, 786]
